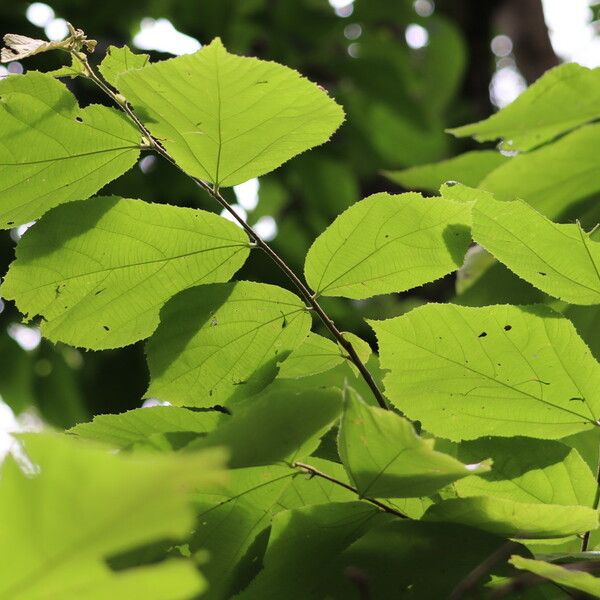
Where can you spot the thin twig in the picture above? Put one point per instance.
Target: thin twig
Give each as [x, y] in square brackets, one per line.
[317, 473]
[260, 243]
[470, 582]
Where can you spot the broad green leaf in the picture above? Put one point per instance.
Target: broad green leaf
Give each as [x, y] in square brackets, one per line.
[385, 458]
[169, 580]
[214, 341]
[227, 118]
[561, 260]
[53, 151]
[388, 243]
[317, 354]
[283, 423]
[98, 272]
[528, 470]
[136, 426]
[72, 70]
[570, 578]
[468, 168]
[231, 524]
[362, 349]
[120, 60]
[413, 560]
[498, 370]
[554, 178]
[85, 504]
[561, 100]
[515, 519]
[587, 322]
[303, 544]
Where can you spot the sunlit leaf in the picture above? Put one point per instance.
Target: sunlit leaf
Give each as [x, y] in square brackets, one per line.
[120, 60]
[54, 152]
[136, 426]
[562, 99]
[317, 354]
[86, 504]
[385, 458]
[98, 272]
[227, 118]
[561, 260]
[498, 370]
[515, 519]
[528, 470]
[570, 578]
[468, 168]
[388, 243]
[214, 341]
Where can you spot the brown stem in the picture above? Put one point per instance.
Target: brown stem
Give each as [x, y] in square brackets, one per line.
[317, 473]
[260, 243]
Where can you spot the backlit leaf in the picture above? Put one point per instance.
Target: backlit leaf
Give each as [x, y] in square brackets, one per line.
[227, 118]
[498, 370]
[120, 60]
[215, 340]
[387, 244]
[562, 99]
[515, 519]
[98, 272]
[561, 260]
[385, 458]
[317, 354]
[53, 151]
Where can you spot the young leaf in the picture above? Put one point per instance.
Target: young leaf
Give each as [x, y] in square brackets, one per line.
[283, 423]
[385, 458]
[528, 470]
[553, 178]
[136, 426]
[497, 370]
[214, 341]
[86, 504]
[53, 151]
[515, 519]
[570, 578]
[227, 118]
[561, 100]
[388, 244]
[561, 260]
[98, 272]
[468, 168]
[120, 60]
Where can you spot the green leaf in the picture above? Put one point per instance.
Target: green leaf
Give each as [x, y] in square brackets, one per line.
[302, 545]
[227, 118]
[528, 470]
[388, 244]
[570, 578]
[117, 61]
[554, 178]
[385, 458]
[75, 69]
[87, 504]
[169, 580]
[515, 519]
[468, 168]
[136, 426]
[316, 355]
[214, 341]
[561, 260]
[497, 370]
[53, 151]
[98, 272]
[231, 524]
[561, 100]
[283, 423]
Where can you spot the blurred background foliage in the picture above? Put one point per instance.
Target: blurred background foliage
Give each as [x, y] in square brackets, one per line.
[404, 71]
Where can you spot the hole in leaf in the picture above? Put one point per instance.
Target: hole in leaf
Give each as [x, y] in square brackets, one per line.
[106, 327]
[507, 327]
[482, 334]
[542, 273]
[79, 119]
